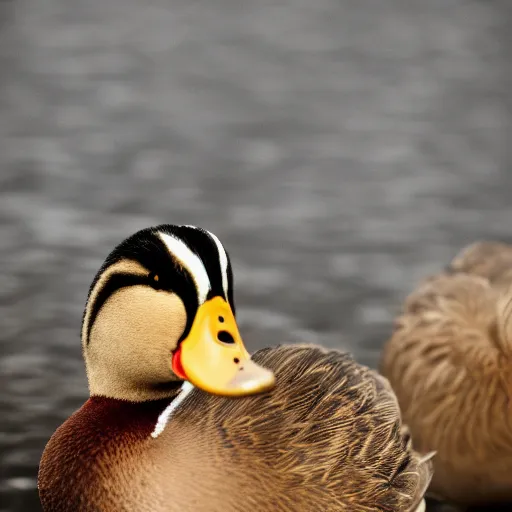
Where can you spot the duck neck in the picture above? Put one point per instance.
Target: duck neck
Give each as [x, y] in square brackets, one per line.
[124, 417]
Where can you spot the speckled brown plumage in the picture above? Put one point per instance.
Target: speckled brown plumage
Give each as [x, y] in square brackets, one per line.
[324, 434]
[328, 438]
[449, 361]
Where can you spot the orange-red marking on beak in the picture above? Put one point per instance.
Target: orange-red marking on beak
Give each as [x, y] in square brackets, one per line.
[177, 367]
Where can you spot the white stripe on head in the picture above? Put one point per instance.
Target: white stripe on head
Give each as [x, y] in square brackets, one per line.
[188, 259]
[223, 257]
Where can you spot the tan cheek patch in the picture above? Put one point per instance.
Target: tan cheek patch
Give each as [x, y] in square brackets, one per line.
[135, 332]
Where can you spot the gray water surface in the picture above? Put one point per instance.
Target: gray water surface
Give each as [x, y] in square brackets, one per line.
[340, 149]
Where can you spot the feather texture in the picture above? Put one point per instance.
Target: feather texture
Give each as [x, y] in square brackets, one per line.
[328, 438]
[449, 361]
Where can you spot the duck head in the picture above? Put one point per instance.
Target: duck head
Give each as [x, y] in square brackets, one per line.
[160, 311]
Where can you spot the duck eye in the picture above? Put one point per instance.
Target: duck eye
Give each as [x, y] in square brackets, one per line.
[154, 279]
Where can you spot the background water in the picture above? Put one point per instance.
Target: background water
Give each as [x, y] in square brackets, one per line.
[341, 149]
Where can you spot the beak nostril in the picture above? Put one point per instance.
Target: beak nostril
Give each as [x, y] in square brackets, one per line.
[225, 337]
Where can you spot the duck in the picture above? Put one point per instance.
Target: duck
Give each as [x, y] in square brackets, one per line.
[449, 361]
[180, 417]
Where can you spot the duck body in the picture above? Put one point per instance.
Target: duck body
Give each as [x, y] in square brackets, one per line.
[182, 419]
[327, 438]
[449, 361]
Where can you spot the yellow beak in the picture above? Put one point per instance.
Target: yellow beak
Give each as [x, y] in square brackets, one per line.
[213, 357]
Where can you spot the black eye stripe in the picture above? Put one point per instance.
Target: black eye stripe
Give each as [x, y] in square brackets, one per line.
[182, 286]
[114, 283]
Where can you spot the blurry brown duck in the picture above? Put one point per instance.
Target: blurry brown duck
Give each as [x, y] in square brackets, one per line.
[449, 361]
[309, 430]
